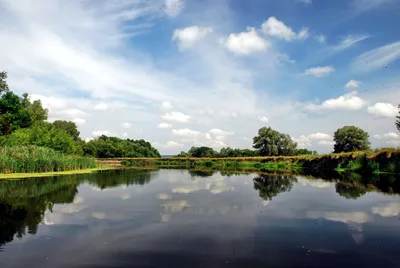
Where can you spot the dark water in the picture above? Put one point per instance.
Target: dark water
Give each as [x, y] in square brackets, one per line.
[177, 218]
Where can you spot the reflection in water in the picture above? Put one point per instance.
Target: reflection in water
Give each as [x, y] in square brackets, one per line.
[203, 219]
[270, 186]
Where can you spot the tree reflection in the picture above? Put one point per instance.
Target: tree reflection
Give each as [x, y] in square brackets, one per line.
[350, 191]
[270, 186]
[201, 172]
[23, 203]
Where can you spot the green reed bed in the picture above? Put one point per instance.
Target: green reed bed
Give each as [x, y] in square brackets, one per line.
[33, 159]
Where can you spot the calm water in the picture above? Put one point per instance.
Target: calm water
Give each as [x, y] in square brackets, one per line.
[177, 218]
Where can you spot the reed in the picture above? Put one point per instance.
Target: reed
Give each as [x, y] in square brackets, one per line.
[32, 159]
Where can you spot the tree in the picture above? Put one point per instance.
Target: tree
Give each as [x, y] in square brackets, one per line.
[202, 152]
[12, 113]
[303, 152]
[270, 186]
[3, 83]
[35, 109]
[350, 138]
[270, 142]
[398, 121]
[69, 127]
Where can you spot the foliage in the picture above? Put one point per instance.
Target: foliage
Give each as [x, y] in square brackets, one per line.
[270, 186]
[110, 147]
[350, 191]
[229, 152]
[45, 135]
[3, 83]
[350, 138]
[35, 110]
[13, 114]
[398, 121]
[69, 127]
[305, 152]
[270, 142]
[202, 152]
[29, 159]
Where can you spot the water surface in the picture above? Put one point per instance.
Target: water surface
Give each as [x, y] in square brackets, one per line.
[180, 218]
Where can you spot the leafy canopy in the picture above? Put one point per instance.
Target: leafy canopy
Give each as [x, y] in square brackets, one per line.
[350, 138]
[271, 143]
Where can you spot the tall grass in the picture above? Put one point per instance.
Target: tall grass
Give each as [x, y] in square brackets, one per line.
[31, 159]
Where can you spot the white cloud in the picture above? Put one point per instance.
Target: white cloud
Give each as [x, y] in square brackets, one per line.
[353, 84]
[302, 141]
[320, 136]
[306, 2]
[263, 119]
[173, 7]
[348, 101]
[345, 217]
[389, 135]
[176, 117]
[101, 106]
[188, 36]
[125, 135]
[246, 42]
[377, 58]
[126, 125]
[393, 143]
[387, 210]
[79, 121]
[381, 109]
[350, 41]
[319, 71]
[73, 112]
[320, 38]
[325, 142]
[218, 134]
[166, 105]
[164, 125]
[173, 144]
[366, 5]
[98, 133]
[276, 28]
[185, 132]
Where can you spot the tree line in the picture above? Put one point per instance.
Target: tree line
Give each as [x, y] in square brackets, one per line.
[24, 122]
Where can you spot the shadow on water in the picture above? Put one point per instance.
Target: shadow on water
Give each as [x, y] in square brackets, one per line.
[23, 203]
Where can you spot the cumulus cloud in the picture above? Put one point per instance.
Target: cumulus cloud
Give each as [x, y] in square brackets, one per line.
[389, 135]
[381, 109]
[126, 125]
[188, 36]
[320, 38]
[319, 136]
[166, 105]
[263, 119]
[176, 117]
[348, 101]
[387, 210]
[101, 106]
[245, 43]
[173, 7]
[353, 84]
[302, 142]
[377, 58]
[173, 144]
[79, 121]
[319, 71]
[185, 132]
[325, 142]
[98, 133]
[276, 28]
[164, 125]
[218, 134]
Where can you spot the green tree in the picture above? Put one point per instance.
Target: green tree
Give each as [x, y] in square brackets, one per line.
[202, 152]
[12, 113]
[34, 109]
[69, 127]
[270, 142]
[398, 121]
[3, 82]
[350, 138]
[270, 186]
[303, 152]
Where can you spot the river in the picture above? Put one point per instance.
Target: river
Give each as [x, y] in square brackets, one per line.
[181, 218]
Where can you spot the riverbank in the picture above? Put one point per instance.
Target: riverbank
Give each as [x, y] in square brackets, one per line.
[54, 173]
[362, 162]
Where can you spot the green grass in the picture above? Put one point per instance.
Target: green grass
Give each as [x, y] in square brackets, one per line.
[33, 159]
[48, 174]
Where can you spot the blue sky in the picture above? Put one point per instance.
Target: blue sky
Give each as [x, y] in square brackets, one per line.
[183, 72]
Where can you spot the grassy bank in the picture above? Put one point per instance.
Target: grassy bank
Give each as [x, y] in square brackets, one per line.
[362, 162]
[33, 159]
[50, 174]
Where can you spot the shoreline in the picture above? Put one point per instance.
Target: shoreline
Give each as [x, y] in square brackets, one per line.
[53, 173]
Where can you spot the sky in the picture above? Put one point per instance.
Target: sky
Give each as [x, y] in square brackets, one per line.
[182, 73]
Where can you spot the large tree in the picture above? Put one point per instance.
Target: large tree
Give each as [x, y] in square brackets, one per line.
[13, 114]
[350, 138]
[398, 121]
[69, 127]
[270, 142]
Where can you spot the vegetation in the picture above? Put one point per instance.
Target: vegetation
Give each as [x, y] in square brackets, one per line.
[398, 121]
[350, 139]
[24, 159]
[270, 142]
